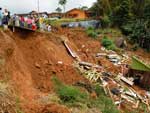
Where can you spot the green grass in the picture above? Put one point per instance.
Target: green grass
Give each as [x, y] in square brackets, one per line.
[103, 102]
[110, 31]
[73, 97]
[60, 21]
[68, 94]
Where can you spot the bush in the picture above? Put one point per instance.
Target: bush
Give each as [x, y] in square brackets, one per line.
[108, 44]
[71, 94]
[109, 106]
[105, 22]
[68, 94]
[99, 90]
[91, 32]
[90, 29]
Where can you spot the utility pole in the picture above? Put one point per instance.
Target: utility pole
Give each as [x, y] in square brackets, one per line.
[38, 3]
[38, 7]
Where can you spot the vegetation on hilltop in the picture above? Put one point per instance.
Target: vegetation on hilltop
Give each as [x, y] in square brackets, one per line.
[131, 16]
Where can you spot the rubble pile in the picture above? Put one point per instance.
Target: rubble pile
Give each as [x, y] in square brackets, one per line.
[120, 88]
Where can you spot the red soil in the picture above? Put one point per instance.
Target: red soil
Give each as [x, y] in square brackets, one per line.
[33, 58]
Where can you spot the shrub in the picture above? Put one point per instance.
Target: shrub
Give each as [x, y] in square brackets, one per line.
[68, 94]
[90, 29]
[71, 94]
[99, 90]
[108, 44]
[105, 22]
[109, 106]
[91, 32]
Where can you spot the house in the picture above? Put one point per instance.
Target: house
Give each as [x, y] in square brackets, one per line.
[34, 13]
[23, 14]
[141, 72]
[53, 15]
[76, 13]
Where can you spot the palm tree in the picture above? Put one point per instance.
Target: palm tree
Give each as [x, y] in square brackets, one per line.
[63, 3]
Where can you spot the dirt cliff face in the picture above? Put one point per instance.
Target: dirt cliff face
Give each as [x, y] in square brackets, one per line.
[30, 61]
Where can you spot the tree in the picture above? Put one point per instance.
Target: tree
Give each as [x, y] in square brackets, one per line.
[121, 13]
[63, 3]
[147, 11]
[101, 7]
[138, 8]
[84, 8]
[59, 10]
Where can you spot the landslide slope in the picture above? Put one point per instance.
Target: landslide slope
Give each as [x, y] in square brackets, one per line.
[29, 60]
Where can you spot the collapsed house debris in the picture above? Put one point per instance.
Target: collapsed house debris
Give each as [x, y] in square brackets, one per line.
[114, 58]
[89, 65]
[120, 88]
[140, 72]
[124, 79]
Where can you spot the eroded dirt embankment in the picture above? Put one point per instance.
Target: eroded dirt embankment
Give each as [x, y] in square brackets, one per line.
[30, 61]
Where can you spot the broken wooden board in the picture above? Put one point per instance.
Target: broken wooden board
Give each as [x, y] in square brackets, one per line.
[126, 81]
[101, 54]
[89, 64]
[72, 53]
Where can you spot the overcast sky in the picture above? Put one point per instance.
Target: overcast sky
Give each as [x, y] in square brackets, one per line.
[25, 6]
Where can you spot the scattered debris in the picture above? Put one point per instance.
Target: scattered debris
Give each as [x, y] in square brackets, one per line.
[114, 58]
[89, 64]
[37, 65]
[101, 54]
[126, 80]
[141, 72]
[115, 91]
[106, 74]
[72, 53]
[60, 62]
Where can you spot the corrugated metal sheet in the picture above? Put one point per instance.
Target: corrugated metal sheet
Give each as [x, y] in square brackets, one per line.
[139, 65]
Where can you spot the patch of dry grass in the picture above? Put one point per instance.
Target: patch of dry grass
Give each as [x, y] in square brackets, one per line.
[7, 102]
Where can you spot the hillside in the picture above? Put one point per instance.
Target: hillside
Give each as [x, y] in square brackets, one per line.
[29, 60]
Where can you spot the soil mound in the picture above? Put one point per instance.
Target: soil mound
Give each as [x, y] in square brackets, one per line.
[54, 108]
